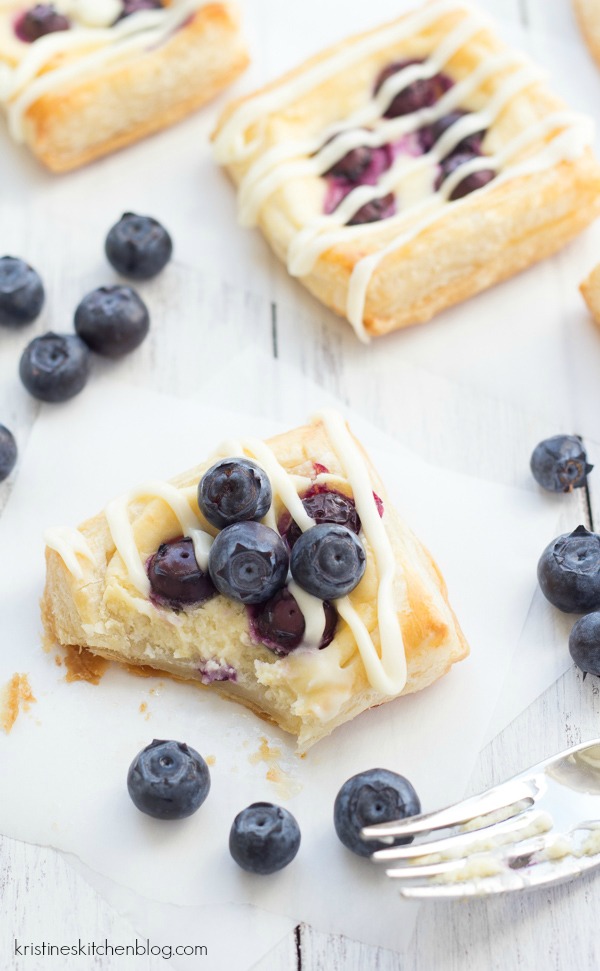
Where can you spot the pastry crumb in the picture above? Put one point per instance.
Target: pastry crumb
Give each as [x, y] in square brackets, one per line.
[210, 759]
[82, 665]
[58, 660]
[16, 696]
[285, 785]
[143, 707]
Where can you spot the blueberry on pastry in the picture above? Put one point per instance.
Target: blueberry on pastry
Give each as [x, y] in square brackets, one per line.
[81, 78]
[407, 168]
[361, 617]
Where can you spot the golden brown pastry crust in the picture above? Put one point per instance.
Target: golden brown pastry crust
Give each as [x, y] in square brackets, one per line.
[91, 117]
[488, 237]
[102, 612]
[590, 291]
[588, 16]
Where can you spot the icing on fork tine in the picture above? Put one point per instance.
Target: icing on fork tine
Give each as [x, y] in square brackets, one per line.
[539, 828]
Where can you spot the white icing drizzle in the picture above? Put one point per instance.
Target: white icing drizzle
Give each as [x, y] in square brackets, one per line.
[202, 543]
[117, 516]
[69, 543]
[268, 173]
[92, 13]
[313, 611]
[23, 85]
[568, 144]
[386, 673]
[311, 241]
[230, 143]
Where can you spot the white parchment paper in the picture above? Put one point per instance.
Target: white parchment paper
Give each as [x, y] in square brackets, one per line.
[69, 755]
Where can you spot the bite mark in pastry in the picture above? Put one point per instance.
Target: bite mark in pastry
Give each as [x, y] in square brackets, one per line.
[410, 167]
[307, 665]
[81, 78]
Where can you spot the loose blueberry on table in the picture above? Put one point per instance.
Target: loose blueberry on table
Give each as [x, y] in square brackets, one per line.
[234, 490]
[371, 797]
[168, 780]
[8, 452]
[21, 292]
[584, 644]
[248, 562]
[138, 246]
[112, 320]
[264, 838]
[559, 464]
[328, 561]
[569, 571]
[175, 576]
[55, 367]
[40, 20]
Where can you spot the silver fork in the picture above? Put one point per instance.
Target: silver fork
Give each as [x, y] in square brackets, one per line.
[538, 828]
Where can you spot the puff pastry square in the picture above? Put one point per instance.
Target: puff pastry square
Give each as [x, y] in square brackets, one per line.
[395, 632]
[408, 168]
[111, 77]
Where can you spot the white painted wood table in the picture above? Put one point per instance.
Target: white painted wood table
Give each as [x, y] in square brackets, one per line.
[484, 397]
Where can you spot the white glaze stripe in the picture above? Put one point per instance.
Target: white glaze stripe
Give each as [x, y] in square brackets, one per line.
[311, 241]
[68, 543]
[386, 673]
[230, 143]
[314, 614]
[265, 176]
[568, 144]
[117, 516]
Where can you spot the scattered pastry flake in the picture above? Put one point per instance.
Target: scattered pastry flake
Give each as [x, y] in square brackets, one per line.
[16, 696]
[143, 707]
[82, 665]
[283, 781]
[590, 289]
[210, 759]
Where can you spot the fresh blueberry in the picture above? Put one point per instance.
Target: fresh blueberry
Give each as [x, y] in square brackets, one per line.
[470, 183]
[328, 561]
[280, 625]
[420, 94]
[375, 210]
[168, 780]
[55, 367]
[428, 136]
[8, 452]
[560, 463]
[323, 507]
[175, 575]
[133, 6]
[375, 796]
[40, 20]
[569, 571]
[21, 292]
[248, 562]
[138, 246]
[112, 320]
[584, 643]
[264, 838]
[233, 491]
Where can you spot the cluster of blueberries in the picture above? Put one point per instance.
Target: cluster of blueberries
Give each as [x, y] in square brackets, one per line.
[364, 165]
[569, 568]
[170, 780]
[111, 321]
[44, 18]
[249, 561]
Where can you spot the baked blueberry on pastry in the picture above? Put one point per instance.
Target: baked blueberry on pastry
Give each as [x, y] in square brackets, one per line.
[81, 78]
[410, 167]
[277, 572]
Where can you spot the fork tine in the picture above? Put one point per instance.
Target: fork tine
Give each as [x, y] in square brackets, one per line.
[499, 798]
[510, 828]
[504, 856]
